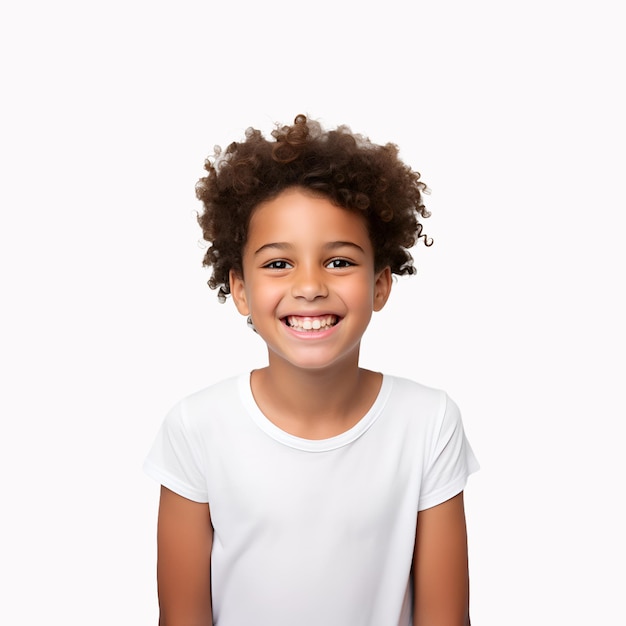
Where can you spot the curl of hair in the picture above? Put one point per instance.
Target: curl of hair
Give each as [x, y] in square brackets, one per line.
[347, 168]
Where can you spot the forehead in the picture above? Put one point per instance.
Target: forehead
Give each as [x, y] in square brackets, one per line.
[301, 215]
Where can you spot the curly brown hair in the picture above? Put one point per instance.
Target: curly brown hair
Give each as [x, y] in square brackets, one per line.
[347, 168]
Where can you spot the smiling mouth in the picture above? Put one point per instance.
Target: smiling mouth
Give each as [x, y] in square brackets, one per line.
[321, 322]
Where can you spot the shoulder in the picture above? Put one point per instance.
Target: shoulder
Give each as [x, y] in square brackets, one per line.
[416, 398]
[223, 391]
[210, 402]
[412, 411]
[429, 412]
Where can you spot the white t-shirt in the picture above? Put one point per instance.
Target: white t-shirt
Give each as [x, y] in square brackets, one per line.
[313, 532]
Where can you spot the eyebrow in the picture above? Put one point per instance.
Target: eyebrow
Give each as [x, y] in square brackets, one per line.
[331, 245]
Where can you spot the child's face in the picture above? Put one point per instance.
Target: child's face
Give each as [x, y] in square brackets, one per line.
[308, 280]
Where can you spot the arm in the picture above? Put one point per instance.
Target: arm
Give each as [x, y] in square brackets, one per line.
[184, 541]
[440, 571]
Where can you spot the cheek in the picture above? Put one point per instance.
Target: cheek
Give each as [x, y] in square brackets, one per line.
[361, 296]
[264, 294]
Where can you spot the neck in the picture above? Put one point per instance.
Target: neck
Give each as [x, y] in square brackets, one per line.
[315, 404]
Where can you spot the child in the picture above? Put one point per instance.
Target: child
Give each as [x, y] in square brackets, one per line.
[290, 495]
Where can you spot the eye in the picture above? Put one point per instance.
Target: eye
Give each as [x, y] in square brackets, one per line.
[278, 265]
[339, 263]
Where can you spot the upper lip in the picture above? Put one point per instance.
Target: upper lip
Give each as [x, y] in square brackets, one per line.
[311, 314]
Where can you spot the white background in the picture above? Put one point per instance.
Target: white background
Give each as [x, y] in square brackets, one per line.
[514, 115]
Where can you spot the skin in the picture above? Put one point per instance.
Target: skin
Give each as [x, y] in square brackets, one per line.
[184, 543]
[440, 571]
[305, 260]
[306, 257]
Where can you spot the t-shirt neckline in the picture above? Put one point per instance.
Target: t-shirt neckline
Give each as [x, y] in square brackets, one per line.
[312, 445]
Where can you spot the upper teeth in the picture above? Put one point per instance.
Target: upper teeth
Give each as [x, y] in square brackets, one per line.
[311, 323]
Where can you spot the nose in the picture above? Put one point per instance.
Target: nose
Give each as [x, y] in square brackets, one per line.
[309, 283]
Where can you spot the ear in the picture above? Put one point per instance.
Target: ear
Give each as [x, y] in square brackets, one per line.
[382, 288]
[238, 292]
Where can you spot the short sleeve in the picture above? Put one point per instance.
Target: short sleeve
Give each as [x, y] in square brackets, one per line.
[451, 459]
[174, 459]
